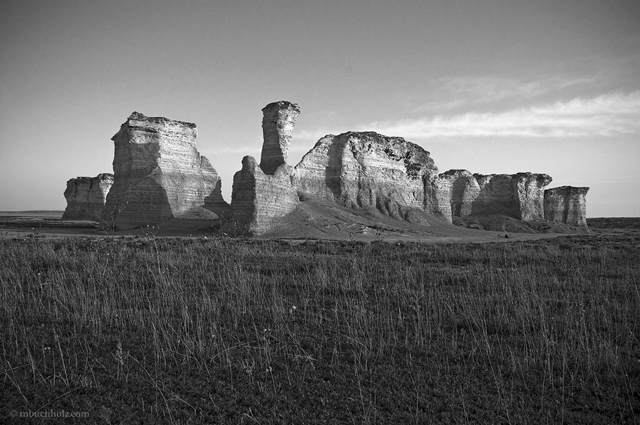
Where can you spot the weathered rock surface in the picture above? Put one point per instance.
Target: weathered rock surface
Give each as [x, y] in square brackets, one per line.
[86, 197]
[263, 193]
[566, 204]
[259, 199]
[159, 175]
[518, 195]
[366, 170]
[278, 120]
[397, 178]
[455, 192]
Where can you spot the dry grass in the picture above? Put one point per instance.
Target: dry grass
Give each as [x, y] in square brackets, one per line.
[202, 331]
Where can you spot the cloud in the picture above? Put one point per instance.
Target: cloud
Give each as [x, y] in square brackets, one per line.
[473, 91]
[604, 115]
[493, 88]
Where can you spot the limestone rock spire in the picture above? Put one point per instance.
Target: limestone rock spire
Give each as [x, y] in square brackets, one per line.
[278, 121]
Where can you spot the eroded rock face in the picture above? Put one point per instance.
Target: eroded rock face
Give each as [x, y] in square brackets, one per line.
[518, 195]
[159, 175]
[86, 197]
[263, 193]
[566, 204]
[457, 190]
[366, 170]
[258, 199]
[278, 120]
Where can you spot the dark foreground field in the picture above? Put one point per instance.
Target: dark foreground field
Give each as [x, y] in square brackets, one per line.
[151, 330]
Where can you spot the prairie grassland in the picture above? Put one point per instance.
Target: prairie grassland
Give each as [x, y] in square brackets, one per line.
[239, 331]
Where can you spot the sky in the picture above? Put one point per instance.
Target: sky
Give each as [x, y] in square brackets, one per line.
[491, 86]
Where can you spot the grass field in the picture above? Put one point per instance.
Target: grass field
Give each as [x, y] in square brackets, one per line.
[158, 330]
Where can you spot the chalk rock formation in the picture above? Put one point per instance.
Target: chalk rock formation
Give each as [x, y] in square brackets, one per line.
[278, 120]
[86, 197]
[367, 170]
[262, 194]
[159, 175]
[566, 204]
[456, 191]
[518, 195]
[258, 199]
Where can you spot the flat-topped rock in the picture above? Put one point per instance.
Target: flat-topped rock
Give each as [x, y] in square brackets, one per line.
[160, 175]
[367, 170]
[566, 204]
[518, 195]
[86, 197]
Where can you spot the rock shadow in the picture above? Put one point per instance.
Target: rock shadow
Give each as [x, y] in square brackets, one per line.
[333, 170]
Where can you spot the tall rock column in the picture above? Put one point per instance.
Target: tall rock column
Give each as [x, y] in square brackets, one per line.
[530, 190]
[263, 194]
[566, 204]
[278, 121]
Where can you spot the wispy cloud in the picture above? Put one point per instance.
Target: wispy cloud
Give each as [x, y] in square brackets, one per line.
[473, 91]
[604, 115]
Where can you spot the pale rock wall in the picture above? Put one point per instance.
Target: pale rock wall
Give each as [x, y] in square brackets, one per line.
[263, 193]
[437, 199]
[457, 190]
[259, 199]
[318, 172]
[366, 170]
[566, 204]
[86, 197]
[159, 175]
[518, 195]
[278, 120]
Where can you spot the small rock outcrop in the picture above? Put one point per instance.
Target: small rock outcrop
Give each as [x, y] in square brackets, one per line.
[566, 204]
[520, 195]
[263, 193]
[366, 170]
[278, 120]
[159, 175]
[86, 197]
